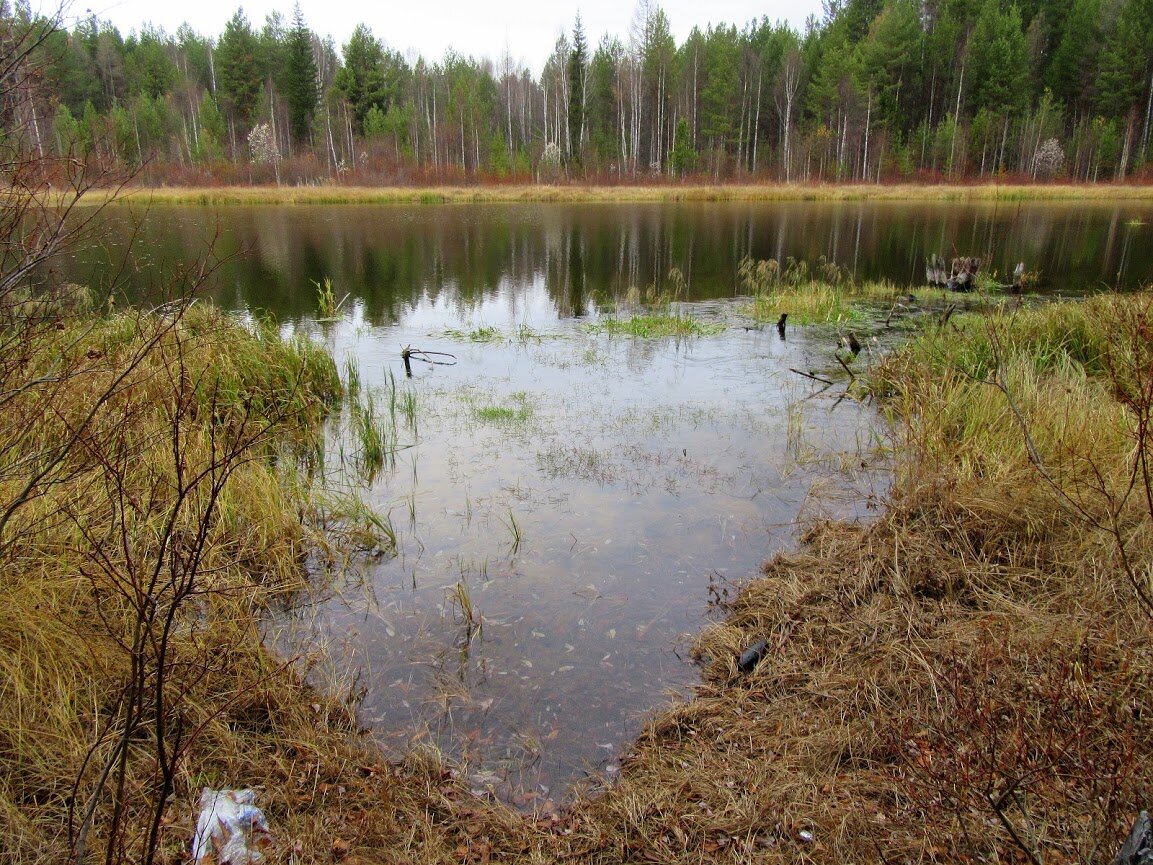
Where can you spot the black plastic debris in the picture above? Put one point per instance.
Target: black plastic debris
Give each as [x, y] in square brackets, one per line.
[752, 656]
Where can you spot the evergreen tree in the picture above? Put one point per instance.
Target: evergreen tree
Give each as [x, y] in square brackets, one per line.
[1126, 60]
[601, 110]
[238, 73]
[361, 79]
[577, 71]
[684, 155]
[149, 68]
[1075, 60]
[998, 58]
[300, 87]
[890, 60]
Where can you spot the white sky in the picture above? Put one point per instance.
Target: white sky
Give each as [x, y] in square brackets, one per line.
[528, 27]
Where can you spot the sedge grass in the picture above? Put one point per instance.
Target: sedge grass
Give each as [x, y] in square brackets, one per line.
[656, 325]
[154, 448]
[480, 334]
[625, 194]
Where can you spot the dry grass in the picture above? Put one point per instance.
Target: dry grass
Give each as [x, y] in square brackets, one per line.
[627, 194]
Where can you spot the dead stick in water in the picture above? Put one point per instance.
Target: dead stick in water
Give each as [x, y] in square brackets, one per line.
[841, 361]
[810, 375]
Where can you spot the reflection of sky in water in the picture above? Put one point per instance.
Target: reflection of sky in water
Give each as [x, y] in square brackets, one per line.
[511, 305]
[643, 473]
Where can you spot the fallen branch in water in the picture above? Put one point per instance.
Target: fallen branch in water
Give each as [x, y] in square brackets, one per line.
[810, 375]
[408, 353]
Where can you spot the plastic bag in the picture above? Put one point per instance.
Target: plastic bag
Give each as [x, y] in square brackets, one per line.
[230, 830]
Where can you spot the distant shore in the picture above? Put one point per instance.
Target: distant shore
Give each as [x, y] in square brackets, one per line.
[497, 194]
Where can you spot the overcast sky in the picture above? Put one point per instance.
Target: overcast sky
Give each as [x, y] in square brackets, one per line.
[528, 27]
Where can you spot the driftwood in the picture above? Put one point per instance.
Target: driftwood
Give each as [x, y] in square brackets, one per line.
[961, 275]
[409, 354]
[1138, 847]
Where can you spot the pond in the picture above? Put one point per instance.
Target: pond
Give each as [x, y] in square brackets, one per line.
[570, 505]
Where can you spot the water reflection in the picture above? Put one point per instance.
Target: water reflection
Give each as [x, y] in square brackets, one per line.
[462, 257]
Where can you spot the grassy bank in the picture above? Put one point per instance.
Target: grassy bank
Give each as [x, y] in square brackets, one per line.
[626, 194]
[965, 679]
[150, 508]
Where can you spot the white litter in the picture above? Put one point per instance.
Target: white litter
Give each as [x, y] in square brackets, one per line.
[230, 830]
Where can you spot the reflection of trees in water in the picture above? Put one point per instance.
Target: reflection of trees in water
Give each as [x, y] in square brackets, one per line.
[589, 256]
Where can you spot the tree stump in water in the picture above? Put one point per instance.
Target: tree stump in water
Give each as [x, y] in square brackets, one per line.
[960, 276]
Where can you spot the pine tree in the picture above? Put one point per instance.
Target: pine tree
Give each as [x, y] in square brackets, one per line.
[999, 58]
[300, 87]
[1074, 62]
[361, 79]
[684, 156]
[238, 73]
[577, 71]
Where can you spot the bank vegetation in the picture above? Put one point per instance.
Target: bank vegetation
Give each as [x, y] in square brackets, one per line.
[620, 194]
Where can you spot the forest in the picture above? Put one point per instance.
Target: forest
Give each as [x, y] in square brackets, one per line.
[875, 90]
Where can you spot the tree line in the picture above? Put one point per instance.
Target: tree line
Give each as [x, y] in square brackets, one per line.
[874, 89]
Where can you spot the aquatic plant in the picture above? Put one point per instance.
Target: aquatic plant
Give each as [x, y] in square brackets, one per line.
[328, 307]
[461, 600]
[519, 413]
[484, 333]
[656, 326]
[514, 529]
[375, 441]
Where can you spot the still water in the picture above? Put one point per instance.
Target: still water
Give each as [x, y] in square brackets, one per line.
[589, 497]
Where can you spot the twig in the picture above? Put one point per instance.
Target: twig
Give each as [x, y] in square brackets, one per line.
[810, 375]
[997, 805]
[845, 366]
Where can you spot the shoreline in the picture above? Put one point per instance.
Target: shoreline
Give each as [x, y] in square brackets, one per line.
[640, 194]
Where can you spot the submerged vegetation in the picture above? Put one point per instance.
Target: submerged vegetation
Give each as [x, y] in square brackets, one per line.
[656, 325]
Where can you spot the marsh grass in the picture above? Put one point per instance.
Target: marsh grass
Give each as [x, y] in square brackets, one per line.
[514, 530]
[374, 436]
[822, 293]
[328, 307]
[347, 524]
[965, 678]
[461, 600]
[656, 325]
[352, 379]
[517, 414]
[624, 194]
[481, 334]
[150, 507]
[966, 666]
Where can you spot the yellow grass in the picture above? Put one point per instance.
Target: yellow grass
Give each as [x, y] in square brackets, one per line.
[623, 194]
